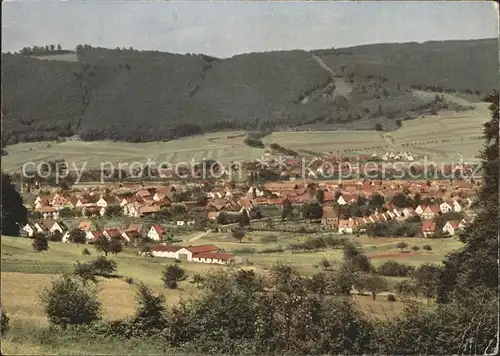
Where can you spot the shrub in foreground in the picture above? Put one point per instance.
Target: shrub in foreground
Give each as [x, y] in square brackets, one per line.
[68, 301]
[4, 323]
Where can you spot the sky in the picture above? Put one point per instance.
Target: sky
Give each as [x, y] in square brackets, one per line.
[224, 29]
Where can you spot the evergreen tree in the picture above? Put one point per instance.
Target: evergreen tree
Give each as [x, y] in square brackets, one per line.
[14, 213]
[476, 264]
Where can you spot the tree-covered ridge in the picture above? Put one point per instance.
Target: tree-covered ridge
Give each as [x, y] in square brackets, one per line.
[465, 66]
[131, 95]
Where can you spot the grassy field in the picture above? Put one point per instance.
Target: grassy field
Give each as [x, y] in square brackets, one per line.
[425, 136]
[210, 146]
[442, 138]
[25, 272]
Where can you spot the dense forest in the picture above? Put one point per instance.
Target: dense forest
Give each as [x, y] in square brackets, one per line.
[125, 94]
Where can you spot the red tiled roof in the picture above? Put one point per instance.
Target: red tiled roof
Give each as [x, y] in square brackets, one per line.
[165, 248]
[113, 232]
[429, 226]
[201, 249]
[159, 229]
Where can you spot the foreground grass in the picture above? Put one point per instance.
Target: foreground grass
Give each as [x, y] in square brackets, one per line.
[41, 340]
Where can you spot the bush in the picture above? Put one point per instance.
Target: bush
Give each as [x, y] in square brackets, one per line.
[68, 301]
[56, 236]
[272, 250]
[85, 252]
[172, 274]
[244, 251]
[427, 247]
[4, 323]
[40, 243]
[394, 269]
[103, 266]
[269, 239]
[85, 271]
[391, 298]
[129, 280]
[151, 311]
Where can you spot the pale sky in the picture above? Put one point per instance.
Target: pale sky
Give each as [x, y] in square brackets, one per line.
[224, 29]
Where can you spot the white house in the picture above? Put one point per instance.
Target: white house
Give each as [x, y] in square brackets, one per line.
[456, 206]
[102, 203]
[58, 226]
[347, 226]
[29, 230]
[156, 233]
[451, 227]
[420, 209]
[445, 207]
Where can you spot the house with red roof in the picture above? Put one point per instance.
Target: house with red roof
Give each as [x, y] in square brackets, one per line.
[430, 212]
[112, 233]
[156, 233]
[347, 226]
[451, 227]
[428, 228]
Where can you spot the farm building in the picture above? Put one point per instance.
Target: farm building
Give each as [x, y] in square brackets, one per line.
[200, 253]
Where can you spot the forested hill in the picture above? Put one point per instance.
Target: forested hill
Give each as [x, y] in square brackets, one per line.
[148, 95]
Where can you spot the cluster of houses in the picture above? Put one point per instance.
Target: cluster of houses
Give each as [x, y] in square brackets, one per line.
[397, 156]
[129, 234]
[139, 201]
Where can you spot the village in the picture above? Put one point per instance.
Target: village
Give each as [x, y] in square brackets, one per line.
[138, 214]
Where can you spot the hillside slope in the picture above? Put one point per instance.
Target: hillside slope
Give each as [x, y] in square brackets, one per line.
[146, 96]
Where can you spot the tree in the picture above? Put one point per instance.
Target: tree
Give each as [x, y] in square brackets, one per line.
[113, 210]
[415, 248]
[56, 236]
[77, 236]
[150, 315]
[320, 196]
[14, 213]
[102, 244]
[427, 278]
[65, 213]
[103, 266]
[59, 47]
[287, 209]
[372, 283]
[238, 234]
[378, 127]
[355, 259]
[52, 47]
[171, 275]
[476, 264]
[116, 245]
[222, 219]
[85, 271]
[68, 301]
[377, 201]
[40, 243]
[244, 219]
[312, 211]
[325, 263]
[4, 322]
[402, 245]
[198, 279]
[400, 200]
